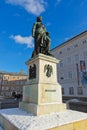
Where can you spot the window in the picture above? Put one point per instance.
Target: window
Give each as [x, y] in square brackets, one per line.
[61, 64]
[12, 88]
[69, 60]
[80, 91]
[61, 78]
[85, 54]
[13, 77]
[13, 82]
[18, 88]
[60, 52]
[76, 45]
[0, 77]
[7, 88]
[71, 90]
[21, 82]
[70, 74]
[68, 49]
[7, 82]
[84, 42]
[3, 88]
[17, 82]
[4, 77]
[76, 58]
[4, 82]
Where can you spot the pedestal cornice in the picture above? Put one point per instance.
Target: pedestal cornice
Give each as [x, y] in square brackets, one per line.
[43, 57]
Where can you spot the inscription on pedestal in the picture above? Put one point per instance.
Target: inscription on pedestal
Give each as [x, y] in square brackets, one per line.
[50, 90]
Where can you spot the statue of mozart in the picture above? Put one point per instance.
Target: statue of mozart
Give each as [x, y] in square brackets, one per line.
[41, 38]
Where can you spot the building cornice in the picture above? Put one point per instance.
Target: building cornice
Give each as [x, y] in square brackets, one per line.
[70, 40]
[12, 73]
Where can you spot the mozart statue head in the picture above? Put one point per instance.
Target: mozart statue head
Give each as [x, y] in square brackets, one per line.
[39, 19]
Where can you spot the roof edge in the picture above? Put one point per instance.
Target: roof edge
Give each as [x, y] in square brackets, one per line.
[69, 40]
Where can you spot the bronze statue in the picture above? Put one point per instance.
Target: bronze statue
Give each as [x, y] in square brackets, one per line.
[41, 38]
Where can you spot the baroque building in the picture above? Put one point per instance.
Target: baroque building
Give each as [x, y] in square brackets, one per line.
[72, 69]
[10, 82]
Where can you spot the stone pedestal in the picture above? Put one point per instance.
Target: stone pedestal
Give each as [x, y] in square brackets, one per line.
[42, 92]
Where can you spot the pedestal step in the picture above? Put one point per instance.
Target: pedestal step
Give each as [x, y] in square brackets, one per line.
[43, 108]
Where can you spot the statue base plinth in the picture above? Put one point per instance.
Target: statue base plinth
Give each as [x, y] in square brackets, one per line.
[42, 109]
[15, 119]
[42, 94]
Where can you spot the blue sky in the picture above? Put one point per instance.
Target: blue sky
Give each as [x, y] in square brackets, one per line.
[63, 19]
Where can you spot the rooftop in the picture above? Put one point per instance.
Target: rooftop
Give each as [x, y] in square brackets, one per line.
[70, 40]
[21, 73]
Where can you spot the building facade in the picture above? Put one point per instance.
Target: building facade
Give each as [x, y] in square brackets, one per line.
[72, 69]
[10, 82]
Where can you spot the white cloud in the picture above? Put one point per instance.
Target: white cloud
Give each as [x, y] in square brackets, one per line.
[23, 40]
[35, 7]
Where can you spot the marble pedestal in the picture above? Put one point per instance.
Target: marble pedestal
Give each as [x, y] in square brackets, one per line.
[42, 94]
